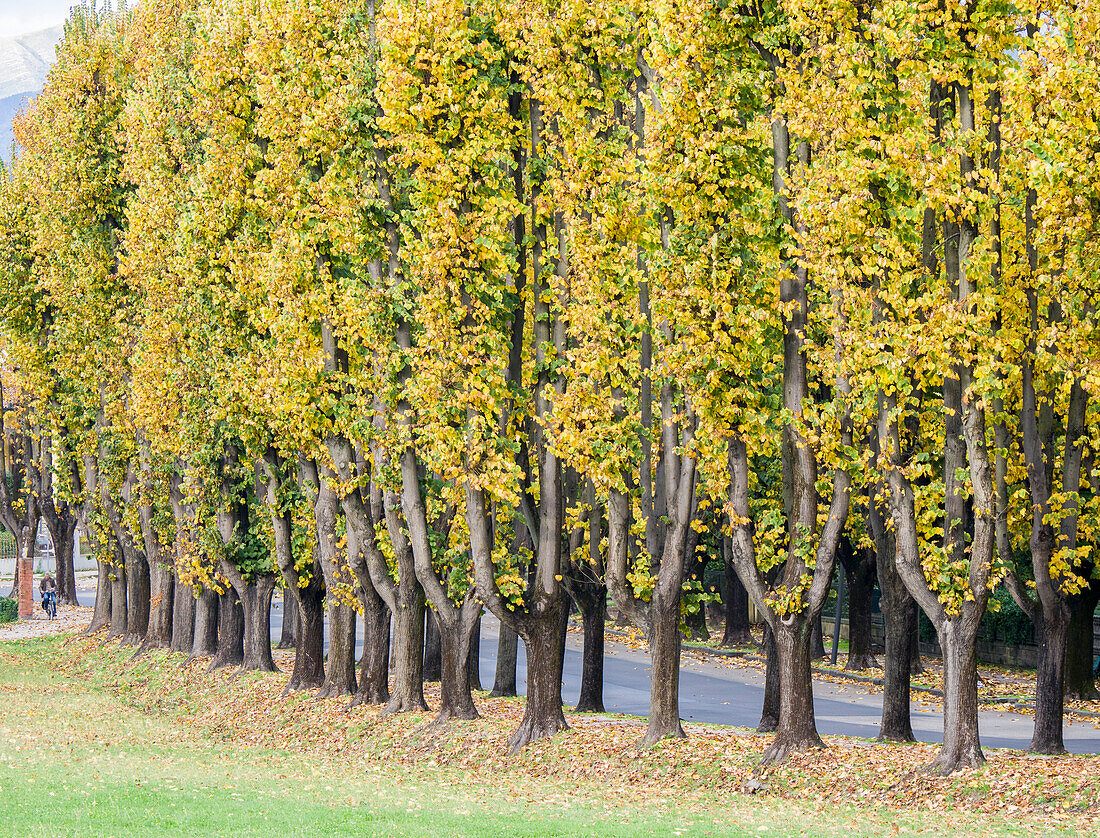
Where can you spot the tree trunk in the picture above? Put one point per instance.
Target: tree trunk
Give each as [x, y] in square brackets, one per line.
[207, 607]
[473, 660]
[817, 640]
[899, 615]
[736, 601]
[1050, 633]
[230, 650]
[859, 573]
[432, 649]
[961, 745]
[309, 648]
[592, 601]
[664, 657]
[769, 714]
[161, 608]
[256, 602]
[915, 665]
[137, 598]
[1080, 676]
[119, 617]
[65, 565]
[374, 686]
[101, 614]
[183, 617]
[896, 724]
[456, 701]
[504, 680]
[340, 666]
[797, 730]
[288, 635]
[408, 651]
[542, 712]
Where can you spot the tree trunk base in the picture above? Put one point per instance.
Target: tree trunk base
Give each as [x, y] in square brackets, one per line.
[532, 730]
[783, 747]
[592, 706]
[1049, 748]
[1084, 696]
[737, 637]
[333, 690]
[866, 661]
[455, 714]
[895, 736]
[368, 700]
[405, 704]
[947, 764]
[652, 737]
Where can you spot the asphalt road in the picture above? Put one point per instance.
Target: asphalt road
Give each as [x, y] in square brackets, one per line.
[715, 691]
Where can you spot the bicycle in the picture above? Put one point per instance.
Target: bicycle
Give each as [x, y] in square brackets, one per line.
[49, 603]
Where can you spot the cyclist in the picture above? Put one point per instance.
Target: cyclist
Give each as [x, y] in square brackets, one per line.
[49, 592]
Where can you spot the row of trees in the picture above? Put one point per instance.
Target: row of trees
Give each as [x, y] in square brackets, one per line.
[508, 304]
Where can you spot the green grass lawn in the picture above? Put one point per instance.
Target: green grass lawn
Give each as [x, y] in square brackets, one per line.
[77, 759]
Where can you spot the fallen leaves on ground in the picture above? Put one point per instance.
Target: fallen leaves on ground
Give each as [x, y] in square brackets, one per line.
[597, 759]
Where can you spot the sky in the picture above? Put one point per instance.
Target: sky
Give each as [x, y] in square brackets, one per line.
[19, 17]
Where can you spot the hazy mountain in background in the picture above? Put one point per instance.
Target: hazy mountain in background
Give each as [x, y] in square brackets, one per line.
[24, 62]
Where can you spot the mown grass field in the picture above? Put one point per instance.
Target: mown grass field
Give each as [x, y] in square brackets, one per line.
[95, 745]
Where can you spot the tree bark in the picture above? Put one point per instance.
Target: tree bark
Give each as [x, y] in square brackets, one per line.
[592, 601]
[542, 712]
[961, 745]
[230, 651]
[207, 610]
[119, 614]
[769, 713]
[137, 598]
[183, 617]
[1050, 633]
[161, 608]
[408, 652]
[797, 730]
[101, 613]
[374, 686]
[256, 601]
[288, 634]
[64, 547]
[916, 667]
[456, 700]
[473, 663]
[340, 663]
[817, 640]
[432, 648]
[899, 614]
[735, 598]
[859, 572]
[664, 680]
[504, 680]
[1080, 675]
[309, 641]
[303, 588]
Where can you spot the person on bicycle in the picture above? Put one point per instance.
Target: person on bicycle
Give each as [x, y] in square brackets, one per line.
[47, 586]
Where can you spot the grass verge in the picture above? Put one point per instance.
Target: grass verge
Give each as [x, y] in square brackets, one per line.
[97, 745]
